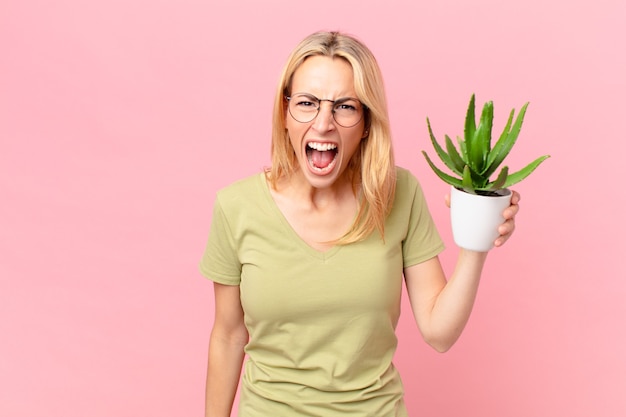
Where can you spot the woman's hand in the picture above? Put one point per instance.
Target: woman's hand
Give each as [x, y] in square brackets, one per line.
[506, 229]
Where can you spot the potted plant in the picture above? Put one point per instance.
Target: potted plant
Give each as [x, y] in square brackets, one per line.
[477, 200]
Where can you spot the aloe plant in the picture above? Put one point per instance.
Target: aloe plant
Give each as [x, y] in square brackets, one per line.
[475, 161]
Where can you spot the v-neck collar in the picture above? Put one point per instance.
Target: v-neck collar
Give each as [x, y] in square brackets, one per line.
[315, 253]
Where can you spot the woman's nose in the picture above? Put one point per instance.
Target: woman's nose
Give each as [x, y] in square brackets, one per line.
[325, 119]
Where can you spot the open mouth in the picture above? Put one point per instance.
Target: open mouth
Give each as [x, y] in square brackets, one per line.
[322, 157]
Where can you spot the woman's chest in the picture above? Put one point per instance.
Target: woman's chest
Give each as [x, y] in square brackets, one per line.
[281, 281]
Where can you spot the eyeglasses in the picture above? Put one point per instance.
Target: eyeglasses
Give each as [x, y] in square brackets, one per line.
[347, 111]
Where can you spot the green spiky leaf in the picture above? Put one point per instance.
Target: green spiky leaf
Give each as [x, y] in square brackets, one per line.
[524, 172]
[468, 184]
[470, 120]
[500, 180]
[481, 143]
[442, 175]
[505, 143]
[455, 157]
[463, 148]
[445, 158]
[492, 165]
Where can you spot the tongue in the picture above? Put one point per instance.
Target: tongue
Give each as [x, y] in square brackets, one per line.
[322, 159]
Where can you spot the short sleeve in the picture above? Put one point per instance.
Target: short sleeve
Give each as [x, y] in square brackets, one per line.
[422, 240]
[220, 261]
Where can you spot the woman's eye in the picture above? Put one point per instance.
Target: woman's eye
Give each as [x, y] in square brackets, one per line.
[345, 107]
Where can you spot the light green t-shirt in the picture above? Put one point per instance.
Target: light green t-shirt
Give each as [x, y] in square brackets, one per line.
[321, 324]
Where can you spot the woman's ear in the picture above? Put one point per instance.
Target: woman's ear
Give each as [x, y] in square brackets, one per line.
[285, 109]
[368, 122]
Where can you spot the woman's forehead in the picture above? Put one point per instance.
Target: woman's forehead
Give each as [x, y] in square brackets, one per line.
[323, 76]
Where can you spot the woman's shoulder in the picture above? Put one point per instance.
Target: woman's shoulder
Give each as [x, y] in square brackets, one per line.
[405, 179]
[243, 184]
[246, 188]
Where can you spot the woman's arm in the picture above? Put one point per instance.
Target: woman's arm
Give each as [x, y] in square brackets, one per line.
[228, 338]
[442, 308]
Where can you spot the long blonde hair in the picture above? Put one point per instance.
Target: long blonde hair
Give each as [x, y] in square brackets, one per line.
[372, 166]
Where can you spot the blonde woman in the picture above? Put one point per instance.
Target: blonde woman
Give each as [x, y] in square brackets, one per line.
[308, 257]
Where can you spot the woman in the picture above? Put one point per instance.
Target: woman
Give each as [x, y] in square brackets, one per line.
[307, 258]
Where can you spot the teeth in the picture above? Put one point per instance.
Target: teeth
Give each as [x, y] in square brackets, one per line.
[321, 146]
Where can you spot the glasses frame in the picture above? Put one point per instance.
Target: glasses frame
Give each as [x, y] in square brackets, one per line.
[320, 100]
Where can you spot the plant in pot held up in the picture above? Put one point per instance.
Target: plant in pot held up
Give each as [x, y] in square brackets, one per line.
[475, 163]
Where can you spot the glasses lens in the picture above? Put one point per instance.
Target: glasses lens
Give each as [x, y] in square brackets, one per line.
[347, 112]
[303, 108]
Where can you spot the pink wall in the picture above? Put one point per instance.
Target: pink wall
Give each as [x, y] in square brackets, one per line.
[120, 119]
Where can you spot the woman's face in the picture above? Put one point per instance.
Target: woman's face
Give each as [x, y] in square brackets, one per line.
[323, 147]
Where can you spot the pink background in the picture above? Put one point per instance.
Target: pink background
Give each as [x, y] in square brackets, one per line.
[120, 119]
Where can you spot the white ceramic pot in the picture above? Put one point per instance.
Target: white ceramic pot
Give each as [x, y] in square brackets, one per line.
[475, 218]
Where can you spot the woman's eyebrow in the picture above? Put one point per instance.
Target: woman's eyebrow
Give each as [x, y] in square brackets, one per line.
[305, 94]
